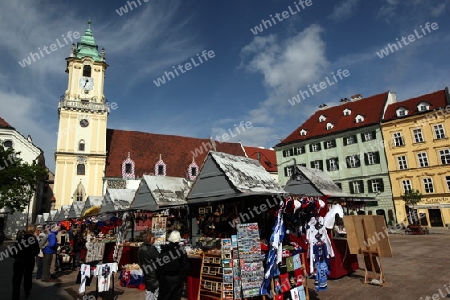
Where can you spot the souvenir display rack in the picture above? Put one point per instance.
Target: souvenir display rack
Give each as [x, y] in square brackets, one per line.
[211, 277]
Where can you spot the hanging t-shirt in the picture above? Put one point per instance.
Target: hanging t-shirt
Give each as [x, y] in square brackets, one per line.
[104, 275]
[85, 272]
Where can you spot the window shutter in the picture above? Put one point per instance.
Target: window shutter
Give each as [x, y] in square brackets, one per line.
[310, 148]
[337, 163]
[333, 142]
[369, 185]
[374, 135]
[381, 185]
[303, 149]
[312, 165]
[363, 138]
[352, 190]
[319, 146]
[377, 157]
[345, 141]
[284, 153]
[358, 160]
[355, 137]
[361, 182]
[348, 161]
[321, 165]
[366, 159]
[285, 172]
[328, 161]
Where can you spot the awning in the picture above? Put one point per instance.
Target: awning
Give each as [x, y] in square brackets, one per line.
[224, 176]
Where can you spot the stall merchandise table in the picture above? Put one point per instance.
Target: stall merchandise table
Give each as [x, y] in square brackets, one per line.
[343, 262]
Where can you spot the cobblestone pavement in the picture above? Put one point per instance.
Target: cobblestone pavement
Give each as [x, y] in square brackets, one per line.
[420, 268]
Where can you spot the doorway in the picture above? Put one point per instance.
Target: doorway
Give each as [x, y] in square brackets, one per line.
[435, 218]
[381, 212]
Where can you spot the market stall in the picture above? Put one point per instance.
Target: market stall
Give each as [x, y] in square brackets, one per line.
[314, 188]
[228, 193]
[75, 210]
[91, 203]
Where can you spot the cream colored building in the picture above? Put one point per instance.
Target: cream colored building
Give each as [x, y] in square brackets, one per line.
[83, 112]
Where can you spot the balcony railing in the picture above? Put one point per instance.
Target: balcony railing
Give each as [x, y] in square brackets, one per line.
[84, 105]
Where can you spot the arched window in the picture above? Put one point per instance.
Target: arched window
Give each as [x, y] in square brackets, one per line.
[192, 170]
[79, 193]
[128, 168]
[87, 71]
[160, 167]
[81, 169]
[81, 145]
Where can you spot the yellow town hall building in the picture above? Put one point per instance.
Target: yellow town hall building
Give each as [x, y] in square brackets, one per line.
[417, 135]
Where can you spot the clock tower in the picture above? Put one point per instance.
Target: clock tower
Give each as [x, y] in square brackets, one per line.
[83, 112]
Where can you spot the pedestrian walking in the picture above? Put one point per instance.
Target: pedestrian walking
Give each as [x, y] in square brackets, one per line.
[49, 251]
[25, 250]
[147, 255]
[171, 275]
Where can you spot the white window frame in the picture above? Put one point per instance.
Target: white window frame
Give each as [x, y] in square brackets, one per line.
[376, 185]
[347, 112]
[353, 161]
[356, 187]
[424, 105]
[351, 140]
[406, 184]
[329, 145]
[359, 119]
[398, 140]
[333, 164]
[402, 162]
[422, 158]
[439, 131]
[444, 155]
[314, 147]
[368, 136]
[316, 164]
[322, 118]
[418, 136]
[371, 158]
[401, 112]
[303, 132]
[428, 186]
[329, 126]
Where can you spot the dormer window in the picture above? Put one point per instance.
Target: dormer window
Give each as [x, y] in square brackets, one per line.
[86, 71]
[192, 170]
[303, 132]
[423, 106]
[359, 119]
[347, 112]
[401, 112]
[329, 126]
[128, 168]
[322, 118]
[160, 167]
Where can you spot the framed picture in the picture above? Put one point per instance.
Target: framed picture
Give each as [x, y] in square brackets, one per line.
[205, 270]
[217, 260]
[208, 285]
[208, 210]
[214, 287]
[201, 210]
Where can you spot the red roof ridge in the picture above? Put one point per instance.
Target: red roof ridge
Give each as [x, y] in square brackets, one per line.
[4, 124]
[334, 115]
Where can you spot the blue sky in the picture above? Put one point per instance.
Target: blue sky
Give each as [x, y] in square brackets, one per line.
[250, 78]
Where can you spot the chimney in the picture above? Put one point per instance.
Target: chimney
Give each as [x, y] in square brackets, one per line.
[323, 106]
[344, 100]
[356, 97]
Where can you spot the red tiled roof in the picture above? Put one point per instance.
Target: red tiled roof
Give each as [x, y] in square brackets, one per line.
[370, 108]
[266, 157]
[145, 149]
[436, 100]
[4, 124]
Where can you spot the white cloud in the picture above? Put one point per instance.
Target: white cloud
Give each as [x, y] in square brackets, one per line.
[344, 10]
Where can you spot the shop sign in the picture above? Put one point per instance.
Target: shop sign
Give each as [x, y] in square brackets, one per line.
[437, 200]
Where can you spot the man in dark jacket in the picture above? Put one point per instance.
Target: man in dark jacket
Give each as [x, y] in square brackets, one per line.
[173, 268]
[24, 252]
[148, 255]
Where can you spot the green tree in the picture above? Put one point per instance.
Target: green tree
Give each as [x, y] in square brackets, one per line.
[411, 198]
[18, 180]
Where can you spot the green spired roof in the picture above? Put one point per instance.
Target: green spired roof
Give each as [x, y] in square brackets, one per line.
[87, 47]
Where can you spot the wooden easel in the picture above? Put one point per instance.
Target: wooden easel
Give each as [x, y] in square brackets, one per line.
[372, 262]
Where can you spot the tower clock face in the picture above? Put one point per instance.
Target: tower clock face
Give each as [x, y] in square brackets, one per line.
[84, 123]
[86, 83]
